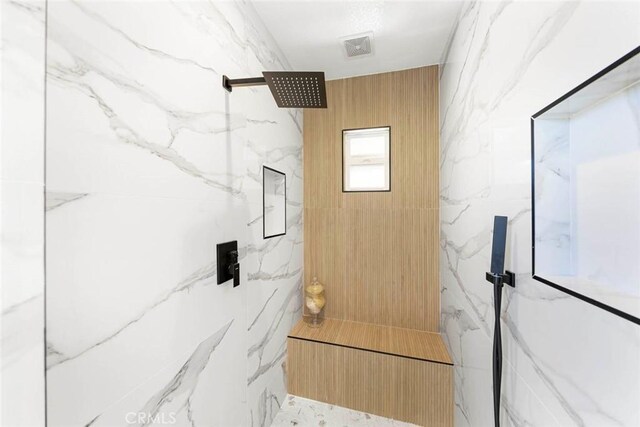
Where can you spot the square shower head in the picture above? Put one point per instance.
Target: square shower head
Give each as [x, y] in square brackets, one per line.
[297, 89]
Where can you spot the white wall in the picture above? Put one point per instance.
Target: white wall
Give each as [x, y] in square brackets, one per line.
[566, 362]
[150, 164]
[22, 24]
[606, 184]
[553, 169]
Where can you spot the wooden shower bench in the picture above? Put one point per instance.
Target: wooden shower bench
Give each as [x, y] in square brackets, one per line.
[404, 374]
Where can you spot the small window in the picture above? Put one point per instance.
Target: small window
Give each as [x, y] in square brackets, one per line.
[365, 156]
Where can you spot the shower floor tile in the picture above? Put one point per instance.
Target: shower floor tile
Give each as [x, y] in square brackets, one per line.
[298, 411]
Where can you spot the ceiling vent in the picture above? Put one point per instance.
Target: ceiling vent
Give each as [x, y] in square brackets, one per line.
[359, 45]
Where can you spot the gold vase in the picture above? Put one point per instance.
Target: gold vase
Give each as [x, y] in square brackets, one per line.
[314, 302]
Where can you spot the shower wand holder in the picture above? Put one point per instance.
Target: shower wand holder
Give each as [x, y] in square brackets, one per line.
[506, 278]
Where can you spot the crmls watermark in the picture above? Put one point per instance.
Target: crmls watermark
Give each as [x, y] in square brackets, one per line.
[144, 418]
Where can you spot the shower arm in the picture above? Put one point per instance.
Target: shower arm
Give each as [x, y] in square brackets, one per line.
[229, 84]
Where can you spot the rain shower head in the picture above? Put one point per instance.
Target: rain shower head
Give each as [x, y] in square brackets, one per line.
[291, 89]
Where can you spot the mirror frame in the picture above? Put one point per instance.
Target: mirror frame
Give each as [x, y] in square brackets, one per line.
[264, 227]
[571, 292]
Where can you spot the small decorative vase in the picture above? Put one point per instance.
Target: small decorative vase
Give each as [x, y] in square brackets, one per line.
[314, 303]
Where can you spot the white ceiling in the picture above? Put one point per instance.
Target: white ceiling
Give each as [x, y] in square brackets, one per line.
[406, 34]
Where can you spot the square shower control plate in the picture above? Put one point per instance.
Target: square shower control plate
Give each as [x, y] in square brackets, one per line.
[225, 260]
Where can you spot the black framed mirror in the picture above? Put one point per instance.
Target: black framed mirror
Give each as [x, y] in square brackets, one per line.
[274, 203]
[586, 190]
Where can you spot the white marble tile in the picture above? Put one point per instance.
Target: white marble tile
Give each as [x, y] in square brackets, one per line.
[22, 298]
[273, 307]
[22, 222]
[23, 64]
[186, 391]
[150, 164]
[506, 61]
[298, 411]
[22, 58]
[128, 310]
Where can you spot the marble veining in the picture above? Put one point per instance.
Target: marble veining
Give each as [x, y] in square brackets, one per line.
[178, 392]
[150, 163]
[55, 200]
[205, 274]
[504, 62]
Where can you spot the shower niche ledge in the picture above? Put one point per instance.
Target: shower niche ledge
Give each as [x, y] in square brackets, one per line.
[398, 373]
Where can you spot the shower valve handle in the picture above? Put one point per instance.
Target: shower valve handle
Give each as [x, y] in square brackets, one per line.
[234, 268]
[227, 262]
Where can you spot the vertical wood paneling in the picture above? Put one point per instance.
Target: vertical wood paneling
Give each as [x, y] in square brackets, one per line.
[395, 387]
[325, 256]
[422, 392]
[376, 253]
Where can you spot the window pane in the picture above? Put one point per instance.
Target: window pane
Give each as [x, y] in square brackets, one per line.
[367, 177]
[366, 159]
[367, 145]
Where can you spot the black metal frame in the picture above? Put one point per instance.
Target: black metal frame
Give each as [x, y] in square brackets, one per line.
[229, 84]
[264, 230]
[573, 293]
[342, 157]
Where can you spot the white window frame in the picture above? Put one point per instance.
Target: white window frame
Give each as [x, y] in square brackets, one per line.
[368, 160]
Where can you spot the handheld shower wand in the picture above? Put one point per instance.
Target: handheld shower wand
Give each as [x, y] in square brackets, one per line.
[498, 277]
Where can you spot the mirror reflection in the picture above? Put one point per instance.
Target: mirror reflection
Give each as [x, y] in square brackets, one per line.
[274, 202]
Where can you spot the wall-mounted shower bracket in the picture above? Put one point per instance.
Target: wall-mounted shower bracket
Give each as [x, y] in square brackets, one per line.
[229, 84]
[507, 278]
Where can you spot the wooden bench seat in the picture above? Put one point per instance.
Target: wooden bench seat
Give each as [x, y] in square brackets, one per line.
[410, 343]
[398, 373]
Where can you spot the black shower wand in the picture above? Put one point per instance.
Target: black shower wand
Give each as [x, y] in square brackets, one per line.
[498, 277]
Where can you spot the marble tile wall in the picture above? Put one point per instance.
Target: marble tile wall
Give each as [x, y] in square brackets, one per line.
[566, 362]
[150, 164]
[22, 24]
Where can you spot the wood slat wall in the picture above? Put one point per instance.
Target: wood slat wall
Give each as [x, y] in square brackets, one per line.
[376, 253]
[395, 387]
